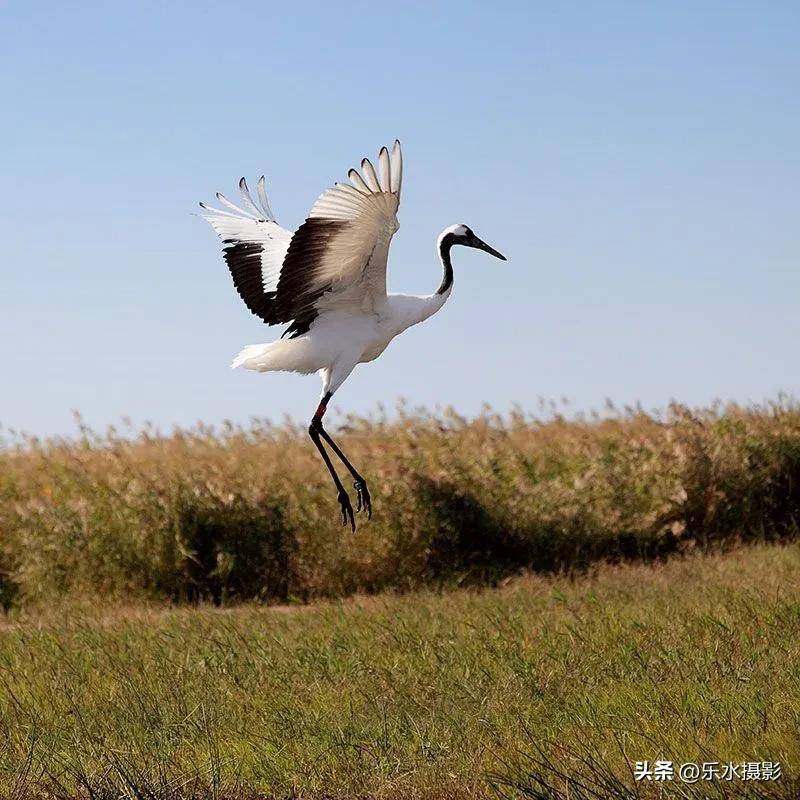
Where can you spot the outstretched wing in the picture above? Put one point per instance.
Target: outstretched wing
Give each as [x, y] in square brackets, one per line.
[254, 248]
[337, 257]
[335, 260]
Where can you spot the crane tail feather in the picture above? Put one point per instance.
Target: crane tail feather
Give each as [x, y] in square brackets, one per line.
[284, 355]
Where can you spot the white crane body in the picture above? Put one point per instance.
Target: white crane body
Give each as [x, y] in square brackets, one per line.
[338, 341]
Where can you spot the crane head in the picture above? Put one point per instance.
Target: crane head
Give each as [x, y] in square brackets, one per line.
[464, 235]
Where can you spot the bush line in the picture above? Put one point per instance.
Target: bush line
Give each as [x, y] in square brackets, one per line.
[237, 514]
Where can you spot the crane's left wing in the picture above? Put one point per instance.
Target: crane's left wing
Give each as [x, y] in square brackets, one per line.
[254, 246]
[337, 257]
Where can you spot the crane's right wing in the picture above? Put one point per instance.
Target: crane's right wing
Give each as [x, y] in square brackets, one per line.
[337, 257]
[254, 248]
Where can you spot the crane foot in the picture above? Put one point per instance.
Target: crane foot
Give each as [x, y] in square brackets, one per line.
[347, 510]
[364, 500]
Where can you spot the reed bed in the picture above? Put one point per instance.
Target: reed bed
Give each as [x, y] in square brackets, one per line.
[229, 514]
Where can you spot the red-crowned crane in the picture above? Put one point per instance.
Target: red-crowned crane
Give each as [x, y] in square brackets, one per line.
[327, 282]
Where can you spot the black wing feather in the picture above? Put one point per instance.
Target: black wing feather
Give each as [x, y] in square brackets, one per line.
[244, 262]
[295, 300]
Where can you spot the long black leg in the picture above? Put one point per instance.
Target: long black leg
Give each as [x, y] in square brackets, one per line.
[315, 430]
[344, 500]
[360, 485]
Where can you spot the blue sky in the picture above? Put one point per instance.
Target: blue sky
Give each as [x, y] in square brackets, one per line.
[637, 162]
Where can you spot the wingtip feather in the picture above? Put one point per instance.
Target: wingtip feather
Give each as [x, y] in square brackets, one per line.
[247, 198]
[370, 176]
[396, 161]
[385, 176]
[261, 188]
[357, 181]
[224, 200]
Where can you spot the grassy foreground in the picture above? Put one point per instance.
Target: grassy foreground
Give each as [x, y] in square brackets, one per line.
[235, 514]
[544, 682]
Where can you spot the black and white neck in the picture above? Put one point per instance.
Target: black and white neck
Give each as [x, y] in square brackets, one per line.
[447, 238]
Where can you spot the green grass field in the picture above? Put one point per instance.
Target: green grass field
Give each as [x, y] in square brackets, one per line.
[542, 687]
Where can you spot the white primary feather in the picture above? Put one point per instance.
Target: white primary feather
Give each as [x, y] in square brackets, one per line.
[370, 178]
[248, 200]
[233, 207]
[210, 210]
[262, 196]
[358, 181]
[385, 177]
[396, 161]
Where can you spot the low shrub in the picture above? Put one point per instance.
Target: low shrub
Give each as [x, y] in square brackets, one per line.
[236, 513]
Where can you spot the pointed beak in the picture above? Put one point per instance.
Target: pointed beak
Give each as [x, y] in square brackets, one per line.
[481, 245]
